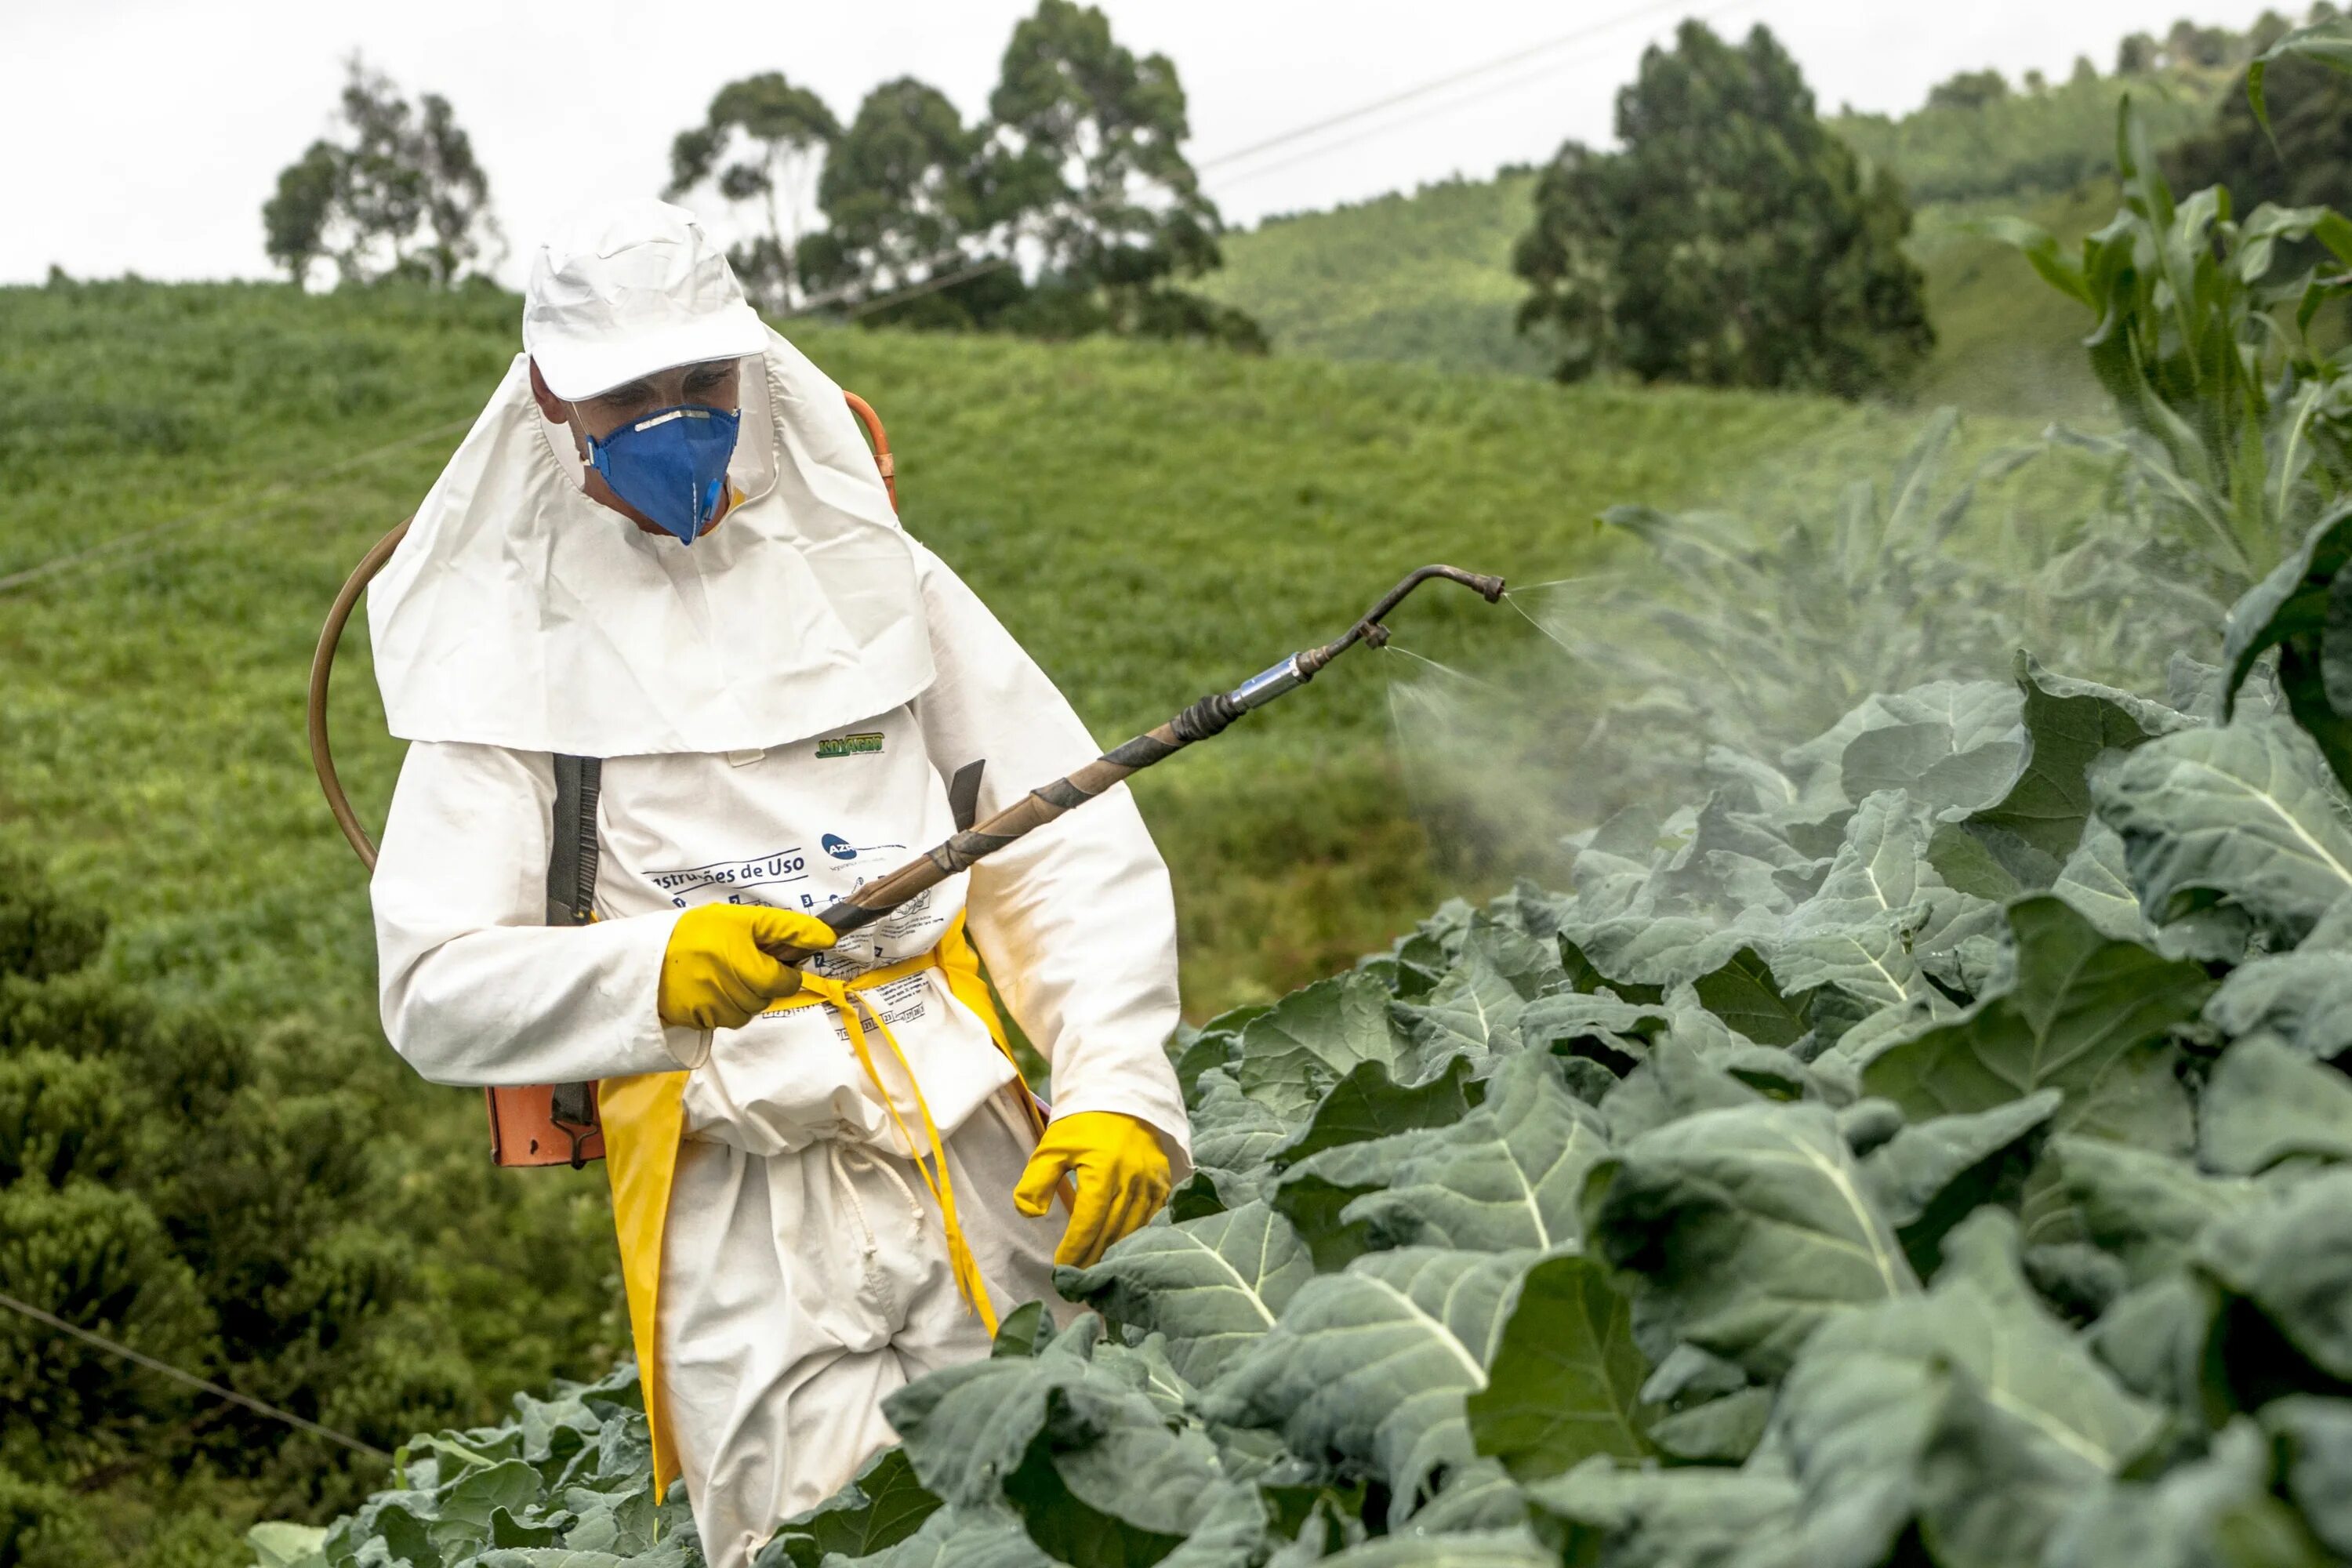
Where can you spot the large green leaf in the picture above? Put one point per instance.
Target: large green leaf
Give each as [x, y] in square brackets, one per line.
[1745, 996]
[2314, 1438]
[2213, 1512]
[2292, 1259]
[2298, 609]
[2070, 724]
[2145, 1208]
[1932, 1175]
[2304, 996]
[1566, 1379]
[2097, 879]
[1233, 1135]
[1370, 1367]
[1673, 1082]
[1867, 1394]
[2084, 1014]
[1673, 1519]
[880, 1507]
[1746, 1226]
[1097, 1476]
[2249, 814]
[1212, 1285]
[963, 1538]
[1294, 1054]
[1507, 1175]
[1956, 747]
[1369, 1103]
[2265, 1103]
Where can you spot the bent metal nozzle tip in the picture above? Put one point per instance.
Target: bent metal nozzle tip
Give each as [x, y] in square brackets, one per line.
[1373, 628]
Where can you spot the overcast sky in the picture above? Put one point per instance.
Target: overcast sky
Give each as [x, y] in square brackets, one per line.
[144, 135]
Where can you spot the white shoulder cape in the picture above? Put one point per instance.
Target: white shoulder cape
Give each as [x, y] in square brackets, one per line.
[518, 612]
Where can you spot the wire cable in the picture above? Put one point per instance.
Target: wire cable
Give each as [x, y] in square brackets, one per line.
[1469, 73]
[191, 1379]
[1541, 71]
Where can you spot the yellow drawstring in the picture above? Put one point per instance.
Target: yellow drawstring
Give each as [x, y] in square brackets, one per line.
[850, 1004]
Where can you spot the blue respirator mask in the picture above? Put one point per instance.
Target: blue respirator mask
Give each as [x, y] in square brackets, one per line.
[671, 465]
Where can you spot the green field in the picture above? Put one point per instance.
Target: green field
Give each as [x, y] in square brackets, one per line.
[1424, 278]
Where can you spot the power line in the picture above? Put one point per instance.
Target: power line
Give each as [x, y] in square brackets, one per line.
[191, 1379]
[817, 303]
[1524, 78]
[1451, 78]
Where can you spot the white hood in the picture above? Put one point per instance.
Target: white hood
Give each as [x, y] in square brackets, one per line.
[518, 612]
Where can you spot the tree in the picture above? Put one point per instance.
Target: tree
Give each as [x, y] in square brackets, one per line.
[1085, 168]
[398, 195]
[1969, 90]
[1733, 242]
[763, 142]
[900, 193]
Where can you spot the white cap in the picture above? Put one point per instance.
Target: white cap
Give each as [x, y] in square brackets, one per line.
[623, 288]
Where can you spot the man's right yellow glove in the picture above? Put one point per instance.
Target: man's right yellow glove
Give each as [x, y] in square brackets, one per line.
[719, 971]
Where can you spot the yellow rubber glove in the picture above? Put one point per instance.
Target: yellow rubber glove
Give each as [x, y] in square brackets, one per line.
[718, 972]
[1122, 1179]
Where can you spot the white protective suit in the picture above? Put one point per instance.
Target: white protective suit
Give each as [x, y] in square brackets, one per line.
[779, 707]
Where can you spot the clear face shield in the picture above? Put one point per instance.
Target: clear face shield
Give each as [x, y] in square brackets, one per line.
[663, 442]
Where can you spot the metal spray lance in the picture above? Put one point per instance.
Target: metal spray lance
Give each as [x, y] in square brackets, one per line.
[1210, 716]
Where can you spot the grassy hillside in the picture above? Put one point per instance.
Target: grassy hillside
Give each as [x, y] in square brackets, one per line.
[2003, 340]
[1424, 278]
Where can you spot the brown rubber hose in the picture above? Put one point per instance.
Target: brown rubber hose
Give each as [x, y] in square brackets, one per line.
[322, 661]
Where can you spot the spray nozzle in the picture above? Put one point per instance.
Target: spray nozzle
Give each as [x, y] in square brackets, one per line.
[1372, 630]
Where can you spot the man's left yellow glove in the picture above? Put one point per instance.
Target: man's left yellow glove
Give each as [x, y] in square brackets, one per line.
[1122, 1179]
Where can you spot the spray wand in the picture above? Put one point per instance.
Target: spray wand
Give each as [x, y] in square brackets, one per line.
[1210, 716]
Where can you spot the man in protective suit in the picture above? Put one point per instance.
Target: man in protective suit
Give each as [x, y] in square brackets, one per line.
[664, 545]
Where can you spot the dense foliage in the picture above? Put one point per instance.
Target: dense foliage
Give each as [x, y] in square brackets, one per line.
[216, 1195]
[396, 193]
[1731, 241]
[2237, 415]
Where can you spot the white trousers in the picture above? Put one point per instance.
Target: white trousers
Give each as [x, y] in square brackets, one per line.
[798, 1289]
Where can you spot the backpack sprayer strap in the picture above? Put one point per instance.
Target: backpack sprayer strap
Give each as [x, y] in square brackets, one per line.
[572, 866]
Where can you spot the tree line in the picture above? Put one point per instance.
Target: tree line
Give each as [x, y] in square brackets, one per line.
[1733, 238]
[1068, 208]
